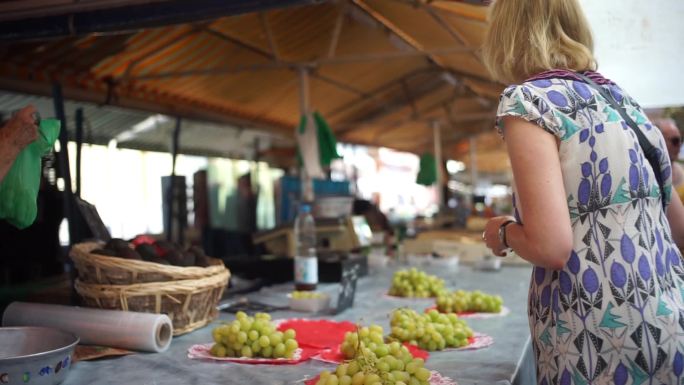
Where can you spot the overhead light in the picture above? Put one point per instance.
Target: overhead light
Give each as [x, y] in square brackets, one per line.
[455, 166]
[449, 78]
[150, 123]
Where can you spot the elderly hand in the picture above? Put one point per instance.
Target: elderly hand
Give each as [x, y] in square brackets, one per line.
[21, 130]
[491, 235]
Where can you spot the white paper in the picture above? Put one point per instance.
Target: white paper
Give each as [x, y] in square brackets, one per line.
[115, 328]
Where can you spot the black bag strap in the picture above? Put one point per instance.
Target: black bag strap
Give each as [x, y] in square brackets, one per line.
[650, 151]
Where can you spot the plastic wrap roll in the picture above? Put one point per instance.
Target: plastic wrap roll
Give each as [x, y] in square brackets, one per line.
[115, 328]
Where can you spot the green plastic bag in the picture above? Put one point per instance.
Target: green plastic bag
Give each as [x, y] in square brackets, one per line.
[19, 189]
[427, 173]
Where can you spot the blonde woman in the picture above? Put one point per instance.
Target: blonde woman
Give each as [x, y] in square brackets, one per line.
[605, 301]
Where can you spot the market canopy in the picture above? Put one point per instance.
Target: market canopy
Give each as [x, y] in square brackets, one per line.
[381, 71]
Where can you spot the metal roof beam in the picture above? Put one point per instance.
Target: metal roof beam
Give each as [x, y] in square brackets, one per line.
[240, 43]
[398, 32]
[154, 49]
[133, 17]
[269, 34]
[469, 117]
[293, 65]
[337, 29]
[456, 34]
[390, 107]
[375, 94]
[467, 12]
[168, 108]
[394, 29]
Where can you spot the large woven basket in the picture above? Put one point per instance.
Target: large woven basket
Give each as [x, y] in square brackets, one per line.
[190, 303]
[101, 269]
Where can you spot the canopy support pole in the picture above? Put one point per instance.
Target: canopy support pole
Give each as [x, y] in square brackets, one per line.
[79, 145]
[474, 177]
[437, 137]
[304, 106]
[171, 201]
[63, 162]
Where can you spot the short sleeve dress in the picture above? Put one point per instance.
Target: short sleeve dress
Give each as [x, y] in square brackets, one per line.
[615, 313]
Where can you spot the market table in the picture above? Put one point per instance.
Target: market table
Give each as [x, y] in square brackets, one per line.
[507, 361]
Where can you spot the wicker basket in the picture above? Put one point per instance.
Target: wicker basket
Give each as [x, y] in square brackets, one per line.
[101, 269]
[190, 303]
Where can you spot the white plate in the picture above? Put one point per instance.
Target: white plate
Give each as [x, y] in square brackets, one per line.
[309, 305]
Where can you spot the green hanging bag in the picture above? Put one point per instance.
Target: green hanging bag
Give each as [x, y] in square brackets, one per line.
[19, 189]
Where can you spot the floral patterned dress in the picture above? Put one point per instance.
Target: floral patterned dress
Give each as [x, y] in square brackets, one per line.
[615, 313]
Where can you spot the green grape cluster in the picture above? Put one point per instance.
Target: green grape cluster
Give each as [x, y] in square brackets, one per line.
[430, 331]
[463, 301]
[398, 367]
[365, 337]
[306, 294]
[253, 337]
[416, 283]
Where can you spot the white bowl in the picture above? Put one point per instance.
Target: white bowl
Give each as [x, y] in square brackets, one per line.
[449, 263]
[309, 305]
[377, 261]
[492, 263]
[418, 260]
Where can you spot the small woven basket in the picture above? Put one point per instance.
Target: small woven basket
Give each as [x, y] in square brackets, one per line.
[101, 269]
[190, 303]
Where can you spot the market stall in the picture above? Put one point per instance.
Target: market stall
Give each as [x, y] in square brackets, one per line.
[506, 361]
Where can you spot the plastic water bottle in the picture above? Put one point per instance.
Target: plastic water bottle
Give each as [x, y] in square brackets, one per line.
[306, 262]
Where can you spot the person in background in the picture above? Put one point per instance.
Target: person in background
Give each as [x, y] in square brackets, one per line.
[17, 133]
[605, 301]
[673, 141]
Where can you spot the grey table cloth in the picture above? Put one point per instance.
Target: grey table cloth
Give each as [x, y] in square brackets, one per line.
[507, 361]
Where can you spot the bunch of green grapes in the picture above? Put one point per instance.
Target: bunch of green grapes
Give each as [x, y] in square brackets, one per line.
[416, 283]
[430, 331]
[306, 294]
[398, 367]
[253, 337]
[365, 337]
[463, 301]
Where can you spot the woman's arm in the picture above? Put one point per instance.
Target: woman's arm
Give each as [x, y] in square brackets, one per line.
[545, 238]
[675, 215]
[15, 135]
[8, 153]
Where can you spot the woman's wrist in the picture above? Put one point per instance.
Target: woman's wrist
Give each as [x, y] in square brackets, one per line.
[502, 233]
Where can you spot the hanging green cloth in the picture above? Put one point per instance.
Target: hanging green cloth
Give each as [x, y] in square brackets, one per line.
[327, 145]
[427, 174]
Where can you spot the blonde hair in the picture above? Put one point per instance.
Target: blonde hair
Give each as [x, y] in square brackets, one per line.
[526, 37]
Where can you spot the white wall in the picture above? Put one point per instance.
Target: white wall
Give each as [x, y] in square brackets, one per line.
[640, 45]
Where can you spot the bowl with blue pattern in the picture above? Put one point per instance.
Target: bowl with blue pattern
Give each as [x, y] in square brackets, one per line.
[35, 355]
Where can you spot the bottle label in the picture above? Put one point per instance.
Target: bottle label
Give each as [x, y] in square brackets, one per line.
[306, 270]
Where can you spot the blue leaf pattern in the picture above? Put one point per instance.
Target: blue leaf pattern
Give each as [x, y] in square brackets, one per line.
[627, 249]
[678, 364]
[606, 184]
[621, 375]
[618, 274]
[590, 280]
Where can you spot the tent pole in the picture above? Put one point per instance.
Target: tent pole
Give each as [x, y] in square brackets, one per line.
[172, 193]
[474, 177]
[304, 106]
[79, 145]
[437, 137]
[63, 163]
